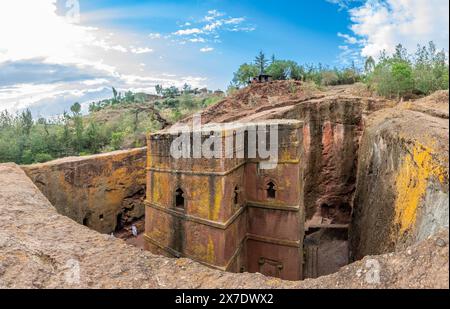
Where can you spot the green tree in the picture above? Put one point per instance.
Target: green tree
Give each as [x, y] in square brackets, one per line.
[369, 65]
[158, 89]
[76, 108]
[42, 157]
[431, 69]
[26, 121]
[401, 54]
[402, 76]
[244, 74]
[171, 92]
[187, 89]
[114, 94]
[78, 124]
[284, 69]
[261, 62]
[92, 138]
[117, 140]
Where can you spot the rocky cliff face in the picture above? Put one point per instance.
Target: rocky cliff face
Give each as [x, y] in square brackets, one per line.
[40, 248]
[402, 189]
[103, 192]
[333, 125]
[384, 169]
[333, 128]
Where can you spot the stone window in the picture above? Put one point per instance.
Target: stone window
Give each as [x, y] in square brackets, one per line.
[271, 190]
[179, 199]
[236, 196]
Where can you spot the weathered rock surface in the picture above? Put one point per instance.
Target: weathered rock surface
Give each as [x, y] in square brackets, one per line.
[101, 191]
[40, 248]
[403, 176]
[397, 172]
[405, 203]
[333, 125]
[332, 131]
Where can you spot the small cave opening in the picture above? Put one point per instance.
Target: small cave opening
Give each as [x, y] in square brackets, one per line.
[119, 222]
[271, 191]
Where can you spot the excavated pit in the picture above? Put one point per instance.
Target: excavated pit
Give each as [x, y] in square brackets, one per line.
[373, 184]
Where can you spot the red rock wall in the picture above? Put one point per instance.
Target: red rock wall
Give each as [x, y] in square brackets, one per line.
[95, 190]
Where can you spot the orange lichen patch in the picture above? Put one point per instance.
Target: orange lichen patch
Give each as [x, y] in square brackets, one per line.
[199, 197]
[210, 255]
[411, 184]
[160, 191]
[219, 190]
[201, 247]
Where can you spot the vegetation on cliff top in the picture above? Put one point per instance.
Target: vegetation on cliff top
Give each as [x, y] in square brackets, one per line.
[396, 76]
[116, 123]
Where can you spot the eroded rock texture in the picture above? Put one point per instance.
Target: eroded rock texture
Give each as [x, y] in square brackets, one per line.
[40, 248]
[402, 190]
[332, 131]
[103, 192]
[333, 125]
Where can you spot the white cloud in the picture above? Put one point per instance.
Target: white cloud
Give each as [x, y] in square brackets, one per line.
[31, 29]
[348, 38]
[343, 4]
[47, 63]
[97, 81]
[379, 25]
[234, 21]
[197, 40]
[213, 14]
[154, 36]
[211, 27]
[106, 46]
[141, 50]
[188, 31]
[206, 49]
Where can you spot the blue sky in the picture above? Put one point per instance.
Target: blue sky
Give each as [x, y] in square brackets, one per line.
[56, 52]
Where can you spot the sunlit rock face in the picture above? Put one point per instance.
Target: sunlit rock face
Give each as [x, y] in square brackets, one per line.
[402, 187]
[103, 192]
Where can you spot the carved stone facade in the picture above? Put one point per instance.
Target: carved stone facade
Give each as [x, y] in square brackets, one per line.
[229, 213]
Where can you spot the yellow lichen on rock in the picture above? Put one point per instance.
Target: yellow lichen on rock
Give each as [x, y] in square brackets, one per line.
[211, 257]
[411, 184]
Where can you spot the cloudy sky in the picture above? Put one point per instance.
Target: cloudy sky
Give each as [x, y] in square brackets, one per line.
[57, 52]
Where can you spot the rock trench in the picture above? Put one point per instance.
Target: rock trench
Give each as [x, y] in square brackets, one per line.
[375, 167]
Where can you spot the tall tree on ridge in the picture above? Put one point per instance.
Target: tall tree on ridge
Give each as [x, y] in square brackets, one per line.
[261, 62]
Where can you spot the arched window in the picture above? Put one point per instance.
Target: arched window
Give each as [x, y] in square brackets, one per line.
[179, 199]
[271, 190]
[236, 195]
